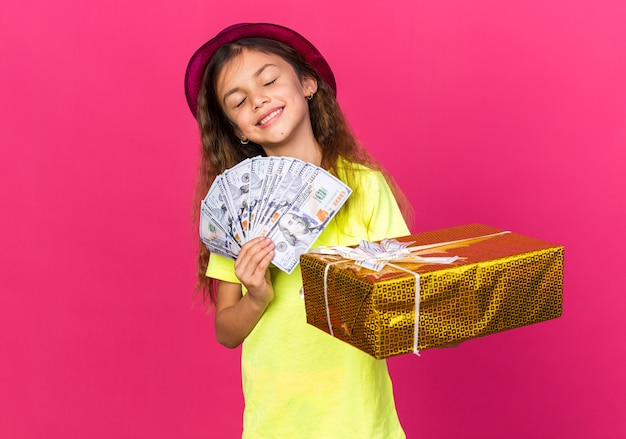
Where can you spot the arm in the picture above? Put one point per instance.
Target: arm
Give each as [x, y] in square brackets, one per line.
[237, 314]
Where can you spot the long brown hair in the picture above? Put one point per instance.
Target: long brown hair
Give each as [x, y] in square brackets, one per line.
[221, 149]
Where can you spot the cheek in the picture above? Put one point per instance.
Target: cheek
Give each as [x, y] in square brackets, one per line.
[233, 116]
[236, 121]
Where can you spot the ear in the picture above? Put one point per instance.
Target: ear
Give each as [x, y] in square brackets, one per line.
[310, 86]
[239, 135]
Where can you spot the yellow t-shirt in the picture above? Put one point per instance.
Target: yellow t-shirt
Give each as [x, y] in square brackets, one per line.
[298, 381]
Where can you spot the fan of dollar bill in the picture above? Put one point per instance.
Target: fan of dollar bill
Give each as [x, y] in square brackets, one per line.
[283, 198]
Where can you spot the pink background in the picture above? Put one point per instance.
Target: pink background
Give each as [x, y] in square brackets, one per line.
[511, 114]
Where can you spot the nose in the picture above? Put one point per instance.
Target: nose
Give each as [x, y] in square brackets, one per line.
[258, 100]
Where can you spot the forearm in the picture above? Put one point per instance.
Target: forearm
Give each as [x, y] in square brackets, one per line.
[236, 314]
[235, 322]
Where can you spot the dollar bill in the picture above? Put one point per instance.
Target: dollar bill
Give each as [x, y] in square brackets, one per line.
[297, 229]
[258, 171]
[218, 206]
[237, 187]
[216, 239]
[274, 171]
[293, 186]
[234, 223]
[285, 189]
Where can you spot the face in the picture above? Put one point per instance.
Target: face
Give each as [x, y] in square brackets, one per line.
[263, 97]
[293, 224]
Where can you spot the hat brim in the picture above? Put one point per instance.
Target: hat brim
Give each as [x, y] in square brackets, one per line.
[199, 60]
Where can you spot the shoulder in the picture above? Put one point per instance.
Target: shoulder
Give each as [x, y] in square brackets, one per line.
[373, 212]
[363, 176]
[368, 185]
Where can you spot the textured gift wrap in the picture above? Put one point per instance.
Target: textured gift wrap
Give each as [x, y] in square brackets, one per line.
[499, 282]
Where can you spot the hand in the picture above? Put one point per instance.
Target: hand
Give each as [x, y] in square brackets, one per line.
[251, 268]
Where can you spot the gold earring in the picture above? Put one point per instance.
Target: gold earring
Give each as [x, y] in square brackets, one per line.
[309, 97]
[244, 141]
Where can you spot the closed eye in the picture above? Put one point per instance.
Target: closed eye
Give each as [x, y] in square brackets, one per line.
[271, 82]
[240, 103]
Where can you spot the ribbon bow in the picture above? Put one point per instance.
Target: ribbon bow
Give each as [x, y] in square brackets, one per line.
[375, 256]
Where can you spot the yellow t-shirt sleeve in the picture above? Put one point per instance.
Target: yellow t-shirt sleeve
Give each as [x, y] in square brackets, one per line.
[221, 268]
[384, 218]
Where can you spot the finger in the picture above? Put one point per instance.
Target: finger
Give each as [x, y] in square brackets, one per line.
[248, 250]
[251, 266]
[254, 267]
[254, 245]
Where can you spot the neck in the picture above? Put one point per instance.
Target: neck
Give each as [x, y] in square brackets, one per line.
[307, 150]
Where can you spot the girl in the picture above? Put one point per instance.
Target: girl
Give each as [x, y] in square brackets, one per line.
[262, 89]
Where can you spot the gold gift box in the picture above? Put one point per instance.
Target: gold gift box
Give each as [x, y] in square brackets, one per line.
[499, 282]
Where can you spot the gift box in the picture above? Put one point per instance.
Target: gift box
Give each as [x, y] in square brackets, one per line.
[471, 280]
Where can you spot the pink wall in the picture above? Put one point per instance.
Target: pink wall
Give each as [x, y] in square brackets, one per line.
[512, 114]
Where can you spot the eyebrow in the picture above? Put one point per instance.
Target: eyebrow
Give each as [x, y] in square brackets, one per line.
[255, 75]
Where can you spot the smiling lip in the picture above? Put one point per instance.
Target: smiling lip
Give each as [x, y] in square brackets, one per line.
[270, 116]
